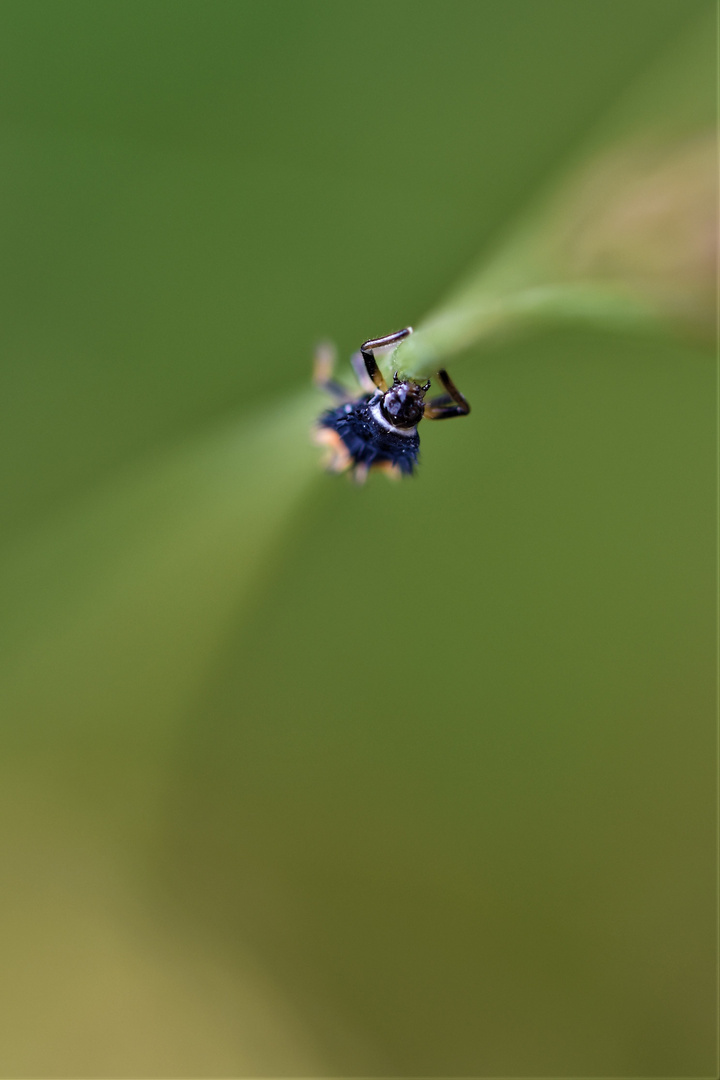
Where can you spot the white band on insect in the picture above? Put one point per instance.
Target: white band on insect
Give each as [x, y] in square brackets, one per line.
[377, 415]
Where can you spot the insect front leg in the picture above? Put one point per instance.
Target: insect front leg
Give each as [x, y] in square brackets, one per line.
[366, 351]
[446, 405]
[361, 373]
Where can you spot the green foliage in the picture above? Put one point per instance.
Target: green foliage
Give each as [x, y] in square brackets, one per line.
[301, 778]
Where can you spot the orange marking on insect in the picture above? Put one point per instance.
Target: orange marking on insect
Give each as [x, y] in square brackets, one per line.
[337, 458]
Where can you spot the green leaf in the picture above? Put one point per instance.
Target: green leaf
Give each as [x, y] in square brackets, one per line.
[114, 609]
[278, 837]
[626, 241]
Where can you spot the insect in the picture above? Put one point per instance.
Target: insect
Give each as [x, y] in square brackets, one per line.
[378, 430]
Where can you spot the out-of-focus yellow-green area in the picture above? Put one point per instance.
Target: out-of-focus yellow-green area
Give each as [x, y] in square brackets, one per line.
[300, 778]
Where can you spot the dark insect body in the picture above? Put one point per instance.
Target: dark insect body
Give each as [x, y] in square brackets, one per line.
[378, 430]
[367, 442]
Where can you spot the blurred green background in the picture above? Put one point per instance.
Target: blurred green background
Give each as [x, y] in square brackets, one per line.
[299, 778]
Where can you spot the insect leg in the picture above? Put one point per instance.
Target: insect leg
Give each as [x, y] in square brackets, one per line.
[366, 351]
[323, 364]
[447, 405]
[361, 373]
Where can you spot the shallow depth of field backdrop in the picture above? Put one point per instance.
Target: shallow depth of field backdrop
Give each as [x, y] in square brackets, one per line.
[299, 778]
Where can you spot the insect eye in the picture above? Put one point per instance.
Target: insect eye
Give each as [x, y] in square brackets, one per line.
[394, 400]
